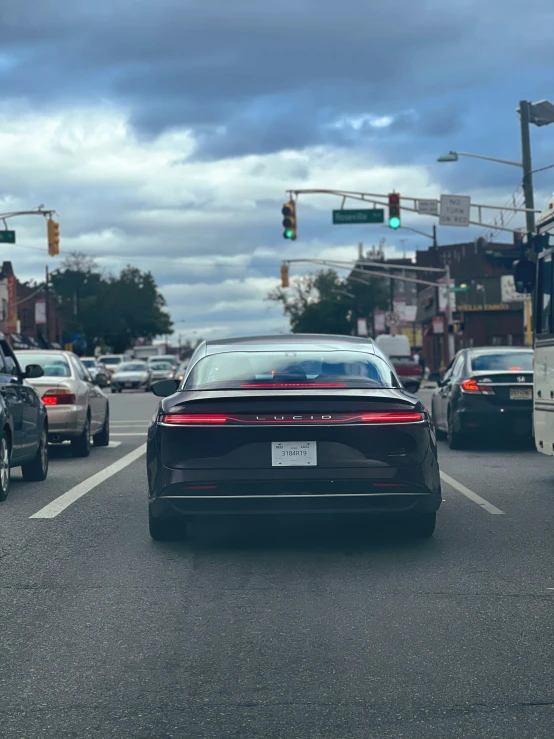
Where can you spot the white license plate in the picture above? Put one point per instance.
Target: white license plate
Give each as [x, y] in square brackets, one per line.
[521, 393]
[293, 454]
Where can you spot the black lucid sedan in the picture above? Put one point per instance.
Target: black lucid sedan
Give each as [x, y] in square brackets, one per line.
[290, 424]
[23, 422]
[490, 390]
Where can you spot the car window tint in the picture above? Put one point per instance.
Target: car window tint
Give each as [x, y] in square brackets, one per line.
[502, 361]
[251, 370]
[130, 367]
[53, 365]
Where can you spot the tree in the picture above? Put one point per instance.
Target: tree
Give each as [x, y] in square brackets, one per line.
[325, 303]
[117, 310]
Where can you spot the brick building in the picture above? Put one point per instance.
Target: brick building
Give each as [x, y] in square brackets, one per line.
[481, 316]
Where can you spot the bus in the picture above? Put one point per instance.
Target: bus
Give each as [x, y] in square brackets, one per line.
[543, 324]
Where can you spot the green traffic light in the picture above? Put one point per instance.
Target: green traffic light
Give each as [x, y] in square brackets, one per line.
[394, 222]
[289, 234]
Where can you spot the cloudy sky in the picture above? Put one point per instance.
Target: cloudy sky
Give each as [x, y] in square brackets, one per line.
[166, 133]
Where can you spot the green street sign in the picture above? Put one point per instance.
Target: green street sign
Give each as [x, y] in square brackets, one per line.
[7, 237]
[465, 289]
[367, 215]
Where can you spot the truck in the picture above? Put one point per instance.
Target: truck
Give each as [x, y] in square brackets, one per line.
[397, 349]
[145, 351]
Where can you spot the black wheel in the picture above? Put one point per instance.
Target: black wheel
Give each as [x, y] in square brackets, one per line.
[456, 439]
[37, 469]
[421, 526]
[102, 438]
[441, 435]
[114, 389]
[165, 529]
[80, 447]
[5, 472]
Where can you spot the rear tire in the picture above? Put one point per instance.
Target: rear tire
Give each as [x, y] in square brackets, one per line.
[102, 438]
[421, 526]
[166, 529]
[456, 439]
[80, 447]
[37, 469]
[5, 472]
[441, 435]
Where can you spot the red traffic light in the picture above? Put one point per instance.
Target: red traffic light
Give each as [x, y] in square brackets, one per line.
[394, 199]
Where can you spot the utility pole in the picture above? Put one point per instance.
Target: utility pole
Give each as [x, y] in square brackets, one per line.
[47, 294]
[527, 183]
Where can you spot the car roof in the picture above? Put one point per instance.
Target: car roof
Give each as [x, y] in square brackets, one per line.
[305, 342]
[51, 352]
[498, 349]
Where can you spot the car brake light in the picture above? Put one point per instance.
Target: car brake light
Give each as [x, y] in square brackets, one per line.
[472, 386]
[184, 419]
[60, 396]
[392, 417]
[294, 384]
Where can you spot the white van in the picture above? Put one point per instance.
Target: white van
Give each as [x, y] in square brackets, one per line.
[394, 346]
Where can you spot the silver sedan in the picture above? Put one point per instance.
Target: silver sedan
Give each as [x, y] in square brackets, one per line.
[77, 408]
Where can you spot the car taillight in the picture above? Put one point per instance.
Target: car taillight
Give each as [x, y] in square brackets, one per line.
[392, 417]
[59, 396]
[472, 386]
[291, 385]
[183, 419]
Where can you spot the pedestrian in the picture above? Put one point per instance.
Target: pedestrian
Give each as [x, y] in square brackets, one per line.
[415, 356]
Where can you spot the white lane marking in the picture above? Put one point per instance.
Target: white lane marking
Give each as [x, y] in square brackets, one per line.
[114, 444]
[131, 433]
[58, 505]
[489, 507]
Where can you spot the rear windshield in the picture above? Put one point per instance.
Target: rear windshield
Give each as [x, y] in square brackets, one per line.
[89, 362]
[110, 360]
[514, 361]
[162, 367]
[267, 370]
[132, 367]
[52, 365]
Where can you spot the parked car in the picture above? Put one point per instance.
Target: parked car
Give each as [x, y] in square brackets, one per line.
[23, 421]
[489, 389]
[111, 361]
[131, 376]
[77, 408]
[97, 371]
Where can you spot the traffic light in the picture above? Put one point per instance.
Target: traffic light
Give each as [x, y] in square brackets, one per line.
[289, 220]
[524, 271]
[53, 238]
[394, 210]
[284, 275]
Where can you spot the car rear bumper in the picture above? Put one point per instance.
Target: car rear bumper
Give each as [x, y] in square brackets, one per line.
[384, 491]
[500, 419]
[65, 421]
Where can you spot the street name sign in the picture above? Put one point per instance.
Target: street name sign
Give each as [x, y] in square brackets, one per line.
[367, 215]
[7, 237]
[455, 210]
[428, 207]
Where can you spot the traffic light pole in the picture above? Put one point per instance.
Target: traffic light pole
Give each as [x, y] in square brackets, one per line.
[527, 183]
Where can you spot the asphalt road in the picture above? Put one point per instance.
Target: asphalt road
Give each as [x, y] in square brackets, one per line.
[325, 629]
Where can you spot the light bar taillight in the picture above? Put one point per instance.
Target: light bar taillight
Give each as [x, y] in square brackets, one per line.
[59, 396]
[392, 417]
[293, 385]
[218, 419]
[184, 419]
[472, 386]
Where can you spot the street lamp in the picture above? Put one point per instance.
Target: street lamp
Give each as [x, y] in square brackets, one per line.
[540, 114]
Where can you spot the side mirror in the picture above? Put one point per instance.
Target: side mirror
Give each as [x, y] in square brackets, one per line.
[165, 388]
[33, 372]
[411, 386]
